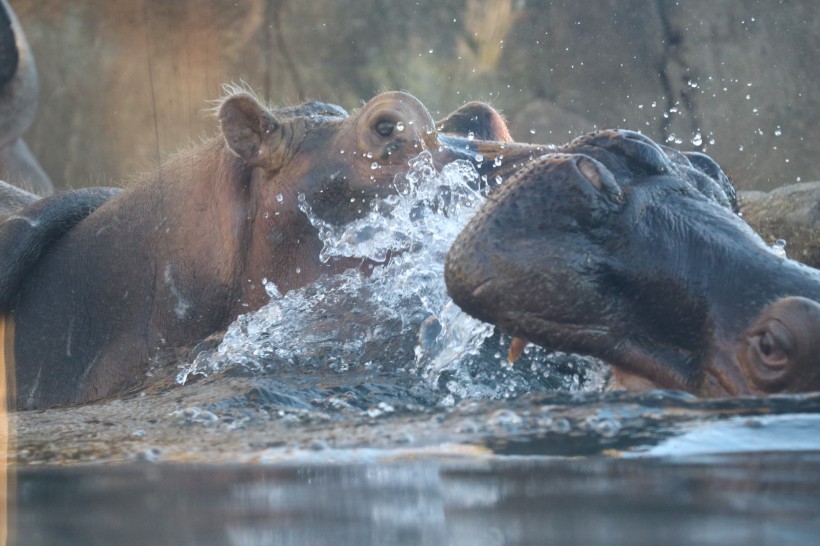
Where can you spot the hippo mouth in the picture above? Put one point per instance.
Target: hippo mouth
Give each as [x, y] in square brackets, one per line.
[525, 325]
[550, 333]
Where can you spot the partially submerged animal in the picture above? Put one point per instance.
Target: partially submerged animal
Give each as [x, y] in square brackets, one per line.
[631, 252]
[18, 104]
[99, 284]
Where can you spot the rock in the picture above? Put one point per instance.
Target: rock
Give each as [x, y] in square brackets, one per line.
[790, 213]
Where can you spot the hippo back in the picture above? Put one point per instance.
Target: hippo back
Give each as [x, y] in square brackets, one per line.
[29, 225]
[13, 199]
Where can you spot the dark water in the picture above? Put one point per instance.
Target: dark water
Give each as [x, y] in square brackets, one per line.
[550, 468]
[760, 498]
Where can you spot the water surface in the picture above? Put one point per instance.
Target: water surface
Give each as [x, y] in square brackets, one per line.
[372, 411]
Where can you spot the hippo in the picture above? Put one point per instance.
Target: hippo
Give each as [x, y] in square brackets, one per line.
[18, 104]
[13, 198]
[99, 285]
[621, 249]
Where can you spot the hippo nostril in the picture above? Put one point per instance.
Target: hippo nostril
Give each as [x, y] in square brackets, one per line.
[590, 171]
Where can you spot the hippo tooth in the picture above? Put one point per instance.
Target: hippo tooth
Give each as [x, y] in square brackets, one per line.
[517, 346]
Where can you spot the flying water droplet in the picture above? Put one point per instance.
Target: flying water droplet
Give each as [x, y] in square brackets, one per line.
[352, 321]
[779, 247]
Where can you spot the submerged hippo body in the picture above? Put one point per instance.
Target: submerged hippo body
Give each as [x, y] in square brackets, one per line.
[179, 254]
[18, 104]
[622, 250]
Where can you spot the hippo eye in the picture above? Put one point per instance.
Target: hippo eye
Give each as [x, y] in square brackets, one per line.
[385, 127]
[766, 343]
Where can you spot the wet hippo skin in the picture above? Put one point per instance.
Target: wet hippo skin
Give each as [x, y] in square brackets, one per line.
[109, 283]
[631, 252]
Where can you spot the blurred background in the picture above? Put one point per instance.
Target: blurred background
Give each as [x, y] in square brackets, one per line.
[125, 83]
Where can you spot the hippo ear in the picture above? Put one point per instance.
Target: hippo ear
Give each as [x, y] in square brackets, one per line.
[252, 132]
[782, 346]
[480, 120]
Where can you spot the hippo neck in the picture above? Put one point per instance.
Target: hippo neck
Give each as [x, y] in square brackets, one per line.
[718, 273]
[252, 215]
[760, 282]
[196, 221]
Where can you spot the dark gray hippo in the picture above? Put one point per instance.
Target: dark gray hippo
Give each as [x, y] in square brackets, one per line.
[18, 105]
[99, 284]
[630, 252]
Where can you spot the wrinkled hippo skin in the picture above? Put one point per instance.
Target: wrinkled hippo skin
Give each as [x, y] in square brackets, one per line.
[789, 213]
[631, 252]
[107, 284]
[18, 104]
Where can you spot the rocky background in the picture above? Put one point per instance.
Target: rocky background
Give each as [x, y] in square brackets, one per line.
[125, 83]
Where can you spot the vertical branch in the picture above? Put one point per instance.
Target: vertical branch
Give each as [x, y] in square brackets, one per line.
[673, 55]
[273, 32]
[8, 488]
[151, 80]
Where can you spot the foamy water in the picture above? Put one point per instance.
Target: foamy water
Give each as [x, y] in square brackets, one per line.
[400, 318]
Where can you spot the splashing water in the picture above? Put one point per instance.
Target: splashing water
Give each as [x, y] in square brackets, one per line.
[399, 319]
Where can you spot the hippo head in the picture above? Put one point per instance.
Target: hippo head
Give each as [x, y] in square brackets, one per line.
[341, 162]
[317, 155]
[631, 252]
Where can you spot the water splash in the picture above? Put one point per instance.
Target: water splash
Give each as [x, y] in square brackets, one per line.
[399, 319]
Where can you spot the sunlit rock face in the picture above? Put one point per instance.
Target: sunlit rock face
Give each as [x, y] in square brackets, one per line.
[787, 217]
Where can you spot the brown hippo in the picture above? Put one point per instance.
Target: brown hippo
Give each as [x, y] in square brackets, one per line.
[620, 249]
[180, 253]
[18, 103]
